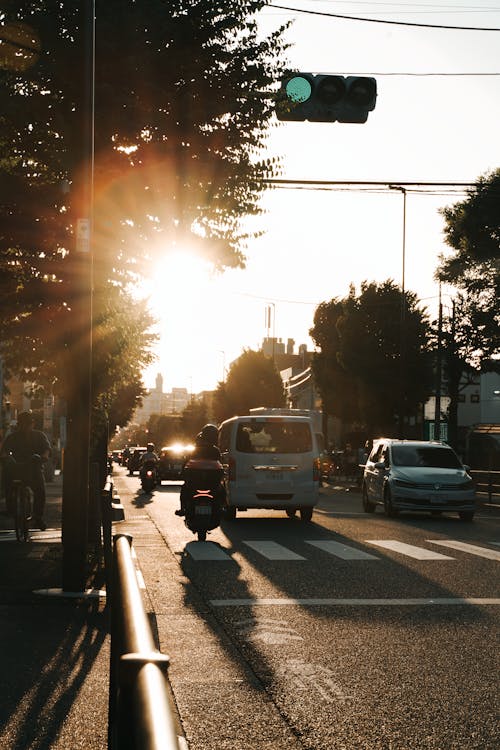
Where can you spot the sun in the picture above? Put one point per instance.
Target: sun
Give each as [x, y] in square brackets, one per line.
[178, 282]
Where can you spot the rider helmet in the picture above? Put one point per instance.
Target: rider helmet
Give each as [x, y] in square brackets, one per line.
[25, 419]
[209, 434]
[150, 447]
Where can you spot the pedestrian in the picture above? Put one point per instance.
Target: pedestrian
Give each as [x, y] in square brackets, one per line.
[23, 451]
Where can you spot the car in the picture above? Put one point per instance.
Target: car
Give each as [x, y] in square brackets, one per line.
[172, 460]
[134, 459]
[417, 475]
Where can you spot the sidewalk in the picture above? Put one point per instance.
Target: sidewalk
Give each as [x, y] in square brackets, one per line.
[54, 650]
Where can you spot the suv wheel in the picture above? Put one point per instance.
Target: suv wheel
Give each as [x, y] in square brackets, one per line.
[368, 507]
[390, 510]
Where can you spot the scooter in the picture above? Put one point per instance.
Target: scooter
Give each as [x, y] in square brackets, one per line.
[149, 476]
[204, 495]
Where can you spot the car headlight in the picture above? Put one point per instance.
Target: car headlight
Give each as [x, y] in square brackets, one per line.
[467, 485]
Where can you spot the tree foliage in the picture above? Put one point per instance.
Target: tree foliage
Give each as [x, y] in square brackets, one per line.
[472, 230]
[252, 381]
[365, 364]
[182, 106]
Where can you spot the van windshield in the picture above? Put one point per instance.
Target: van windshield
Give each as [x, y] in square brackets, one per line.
[273, 437]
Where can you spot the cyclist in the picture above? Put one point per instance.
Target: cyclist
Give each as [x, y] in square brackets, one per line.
[24, 450]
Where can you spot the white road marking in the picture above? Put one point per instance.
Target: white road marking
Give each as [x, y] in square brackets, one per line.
[418, 553]
[352, 602]
[473, 549]
[342, 550]
[273, 551]
[268, 631]
[312, 678]
[206, 551]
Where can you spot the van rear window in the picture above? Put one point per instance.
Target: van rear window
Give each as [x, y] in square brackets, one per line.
[273, 437]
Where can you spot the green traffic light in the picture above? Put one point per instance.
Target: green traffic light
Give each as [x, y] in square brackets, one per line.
[298, 89]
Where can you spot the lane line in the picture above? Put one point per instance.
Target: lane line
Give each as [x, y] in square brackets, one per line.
[418, 553]
[446, 601]
[342, 550]
[272, 550]
[473, 549]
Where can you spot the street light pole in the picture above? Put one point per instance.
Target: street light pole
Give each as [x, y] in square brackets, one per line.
[402, 340]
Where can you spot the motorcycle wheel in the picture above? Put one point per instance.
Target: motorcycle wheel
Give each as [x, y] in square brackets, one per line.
[202, 536]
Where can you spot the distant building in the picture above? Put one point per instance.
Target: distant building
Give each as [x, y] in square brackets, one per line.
[157, 402]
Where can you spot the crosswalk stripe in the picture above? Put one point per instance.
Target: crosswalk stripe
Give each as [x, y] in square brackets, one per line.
[206, 551]
[273, 551]
[473, 549]
[418, 553]
[342, 550]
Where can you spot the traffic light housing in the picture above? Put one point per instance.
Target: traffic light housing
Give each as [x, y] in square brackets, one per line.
[326, 98]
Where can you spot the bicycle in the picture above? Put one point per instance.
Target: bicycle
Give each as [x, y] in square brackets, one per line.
[22, 505]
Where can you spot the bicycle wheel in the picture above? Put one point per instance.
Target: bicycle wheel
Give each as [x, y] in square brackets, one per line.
[18, 511]
[22, 513]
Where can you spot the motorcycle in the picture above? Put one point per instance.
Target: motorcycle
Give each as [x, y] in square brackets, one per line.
[204, 495]
[149, 476]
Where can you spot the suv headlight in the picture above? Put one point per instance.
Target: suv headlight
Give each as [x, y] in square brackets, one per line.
[402, 483]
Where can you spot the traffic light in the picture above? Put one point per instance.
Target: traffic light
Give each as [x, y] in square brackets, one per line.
[325, 98]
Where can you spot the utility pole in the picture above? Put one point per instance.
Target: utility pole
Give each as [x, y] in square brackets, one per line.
[79, 350]
[402, 333]
[439, 358]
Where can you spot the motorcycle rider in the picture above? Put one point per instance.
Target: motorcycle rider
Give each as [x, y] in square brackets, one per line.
[205, 448]
[23, 451]
[148, 459]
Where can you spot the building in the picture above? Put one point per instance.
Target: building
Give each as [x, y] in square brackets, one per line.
[156, 401]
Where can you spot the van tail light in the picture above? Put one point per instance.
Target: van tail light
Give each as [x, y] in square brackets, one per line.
[316, 470]
[231, 469]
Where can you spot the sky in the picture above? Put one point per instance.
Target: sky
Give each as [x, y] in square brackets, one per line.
[436, 120]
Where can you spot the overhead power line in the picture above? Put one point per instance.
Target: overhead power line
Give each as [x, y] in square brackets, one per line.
[380, 20]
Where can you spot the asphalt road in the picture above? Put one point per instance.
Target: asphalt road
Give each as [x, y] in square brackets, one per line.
[352, 631]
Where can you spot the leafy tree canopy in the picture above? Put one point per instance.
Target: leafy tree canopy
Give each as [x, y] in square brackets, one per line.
[365, 362]
[472, 230]
[252, 381]
[182, 106]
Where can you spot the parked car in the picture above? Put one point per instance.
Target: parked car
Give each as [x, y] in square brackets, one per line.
[134, 459]
[417, 475]
[172, 460]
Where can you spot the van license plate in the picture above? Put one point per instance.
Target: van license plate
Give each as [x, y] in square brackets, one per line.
[202, 510]
[275, 475]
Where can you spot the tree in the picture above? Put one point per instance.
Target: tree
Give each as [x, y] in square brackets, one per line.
[182, 106]
[360, 342]
[472, 230]
[252, 381]
[193, 417]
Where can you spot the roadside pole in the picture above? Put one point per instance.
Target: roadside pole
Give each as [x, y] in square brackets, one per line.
[79, 351]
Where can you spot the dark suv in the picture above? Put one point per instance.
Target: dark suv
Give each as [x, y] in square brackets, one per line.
[172, 460]
[135, 459]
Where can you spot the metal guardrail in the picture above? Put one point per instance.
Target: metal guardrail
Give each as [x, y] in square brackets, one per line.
[487, 483]
[140, 713]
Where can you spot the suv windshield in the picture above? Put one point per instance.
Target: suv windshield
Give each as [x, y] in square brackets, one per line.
[435, 456]
[273, 437]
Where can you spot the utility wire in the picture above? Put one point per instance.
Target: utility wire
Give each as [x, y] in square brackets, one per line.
[379, 20]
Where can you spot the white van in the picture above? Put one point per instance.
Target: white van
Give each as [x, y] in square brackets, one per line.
[271, 461]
